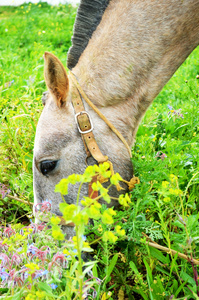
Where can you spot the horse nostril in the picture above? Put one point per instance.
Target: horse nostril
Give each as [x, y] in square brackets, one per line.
[47, 166]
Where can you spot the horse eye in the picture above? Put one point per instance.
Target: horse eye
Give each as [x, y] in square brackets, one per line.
[47, 166]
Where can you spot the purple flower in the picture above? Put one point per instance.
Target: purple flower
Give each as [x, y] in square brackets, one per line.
[41, 273]
[5, 261]
[31, 250]
[8, 231]
[161, 155]
[44, 206]
[90, 273]
[59, 259]
[16, 260]
[177, 113]
[4, 190]
[4, 275]
[94, 294]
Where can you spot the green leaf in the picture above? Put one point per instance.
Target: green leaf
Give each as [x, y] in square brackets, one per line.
[110, 268]
[134, 268]
[158, 254]
[180, 288]
[173, 263]
[140, 292]
[148, 270]
[43, 286]
[187, 278]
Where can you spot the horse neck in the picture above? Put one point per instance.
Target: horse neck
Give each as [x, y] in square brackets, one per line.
[133, 53]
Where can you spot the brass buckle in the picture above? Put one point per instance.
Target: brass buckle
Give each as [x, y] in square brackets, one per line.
[81, 113]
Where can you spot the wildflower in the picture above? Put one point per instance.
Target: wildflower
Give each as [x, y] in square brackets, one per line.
[181, 220]
[161, 155]
[124, 200]
[55, 220]
[173, 177]
[109, 236]
[41, 273]
[165, 184]
[32, 267]
[175, 192]
[53, 286]
[31, 250]
[167, 199]
[107, 218]
[119, 230]
[83, 237]
[5, 261]
[40, 294]
[58, 235]
[16, 260]
[30, 296]
[176, 113]
[94, 212]
[4, 190]
[100, 228]
[3, 274]
[59, 258]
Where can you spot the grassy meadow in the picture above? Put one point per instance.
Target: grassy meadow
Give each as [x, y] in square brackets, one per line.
[147, 250]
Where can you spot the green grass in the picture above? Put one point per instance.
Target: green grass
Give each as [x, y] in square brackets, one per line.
[165, 203]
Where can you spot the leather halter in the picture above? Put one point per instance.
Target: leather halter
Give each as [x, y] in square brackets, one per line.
[85, 128]
[77, 95]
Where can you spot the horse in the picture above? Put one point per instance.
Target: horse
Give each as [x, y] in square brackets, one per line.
[123, 53]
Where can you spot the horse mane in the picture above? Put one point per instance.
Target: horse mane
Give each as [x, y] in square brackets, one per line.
[89, 15]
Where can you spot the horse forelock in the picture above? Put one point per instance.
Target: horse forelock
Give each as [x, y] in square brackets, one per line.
[88, 17]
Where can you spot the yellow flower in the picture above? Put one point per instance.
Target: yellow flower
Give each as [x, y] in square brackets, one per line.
[119, 230]
[32, 267]
[30, 297]
[175, 192]
[55, 220]
[58, 235]
[40, 295]
[167, 199]
[65, 251]
[107, 218]
[173, 177]
[109, 236]
[100, 228]
[165, 184]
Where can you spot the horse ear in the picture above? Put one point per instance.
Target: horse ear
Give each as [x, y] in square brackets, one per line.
[56, 78]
